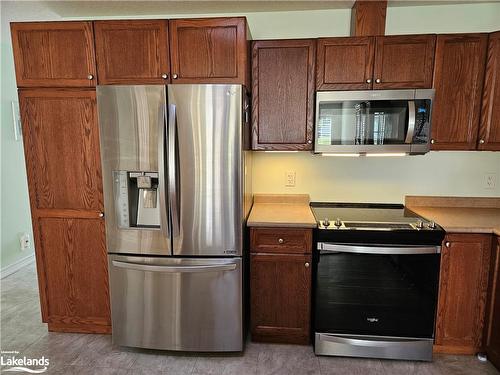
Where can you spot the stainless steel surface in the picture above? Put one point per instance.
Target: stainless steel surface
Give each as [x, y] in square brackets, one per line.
[378, 80]
[339, 96]
[90, 77]
[208, 181]
[377, 249]
[411, 121]
[177, 303]
[419, 349]
[164, 76]
[131, 123]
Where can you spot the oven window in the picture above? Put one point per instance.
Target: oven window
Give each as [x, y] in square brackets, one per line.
[362, 122]
[383, 295]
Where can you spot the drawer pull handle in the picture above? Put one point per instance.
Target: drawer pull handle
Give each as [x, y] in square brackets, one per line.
[281, 240]
[307, 264]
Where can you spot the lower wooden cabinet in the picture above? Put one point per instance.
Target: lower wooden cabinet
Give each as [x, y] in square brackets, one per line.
[280, 289]
[493, 329]
[465, 263]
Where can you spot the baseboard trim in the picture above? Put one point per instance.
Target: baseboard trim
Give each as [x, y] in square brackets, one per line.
[16, 266]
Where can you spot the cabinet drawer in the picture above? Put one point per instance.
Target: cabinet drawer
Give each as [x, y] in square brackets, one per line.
[280, 240]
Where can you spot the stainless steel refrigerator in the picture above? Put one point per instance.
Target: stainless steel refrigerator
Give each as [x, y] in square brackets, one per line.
[176, 197]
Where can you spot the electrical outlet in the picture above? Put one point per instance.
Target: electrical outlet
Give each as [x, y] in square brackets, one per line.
[290, 178]
[490, 180]
[25, 241]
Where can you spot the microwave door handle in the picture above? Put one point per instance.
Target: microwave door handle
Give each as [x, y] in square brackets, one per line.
[172, 169]
[377, 250]
[411, 121]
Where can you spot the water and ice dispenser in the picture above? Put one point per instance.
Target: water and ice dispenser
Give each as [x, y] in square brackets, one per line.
[137, 199]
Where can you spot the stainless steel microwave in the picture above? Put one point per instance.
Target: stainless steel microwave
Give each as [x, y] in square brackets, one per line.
[373, 122]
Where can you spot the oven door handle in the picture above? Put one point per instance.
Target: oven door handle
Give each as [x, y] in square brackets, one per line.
[371, 342]
[377, 249]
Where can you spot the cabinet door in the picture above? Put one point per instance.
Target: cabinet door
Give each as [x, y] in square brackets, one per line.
[283, 94]
[280, 289]
[493, 334]
[489, 129]
[458, 80]
[465, 260]
[345, 63]
[212, 50]
[404, 62]
[61, 146]
[53, 54]
[132, 52]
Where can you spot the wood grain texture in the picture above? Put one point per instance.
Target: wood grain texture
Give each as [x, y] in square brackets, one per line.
[462, 293]
[489, 128]
[493, 328]
[368, 18]
[283, 94]
[458, 81]
[345, 63]
[132, 51]
[280, 295]
[210, 50]
[75, 269]
[267, 240]
[404, 61]
[53, 54]
[62, 148]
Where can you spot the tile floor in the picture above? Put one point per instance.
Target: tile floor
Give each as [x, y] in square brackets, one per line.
[77, 354]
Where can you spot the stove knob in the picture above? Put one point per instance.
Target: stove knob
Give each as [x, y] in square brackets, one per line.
[420, 224]
[337, 223]
[326, 223]
[431, 225]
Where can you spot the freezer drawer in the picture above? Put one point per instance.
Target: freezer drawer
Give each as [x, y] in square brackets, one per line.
[177, 304]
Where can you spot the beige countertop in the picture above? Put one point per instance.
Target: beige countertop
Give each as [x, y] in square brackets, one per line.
[459, 214]
[287, 210]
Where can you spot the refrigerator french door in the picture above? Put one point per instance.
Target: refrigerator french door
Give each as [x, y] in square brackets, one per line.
[174, 194]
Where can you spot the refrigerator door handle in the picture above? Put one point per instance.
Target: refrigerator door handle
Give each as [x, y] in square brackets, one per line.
[175, 269]
[172, 169]
[164, 227]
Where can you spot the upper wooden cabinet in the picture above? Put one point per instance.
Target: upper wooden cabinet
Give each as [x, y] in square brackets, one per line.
[212, 50]
[489, 129]
[404, 61]
[345, 63]
[54, 54]
[385, 62]
[458, 81]
[132, 52]
[465, 262]
[283, 94]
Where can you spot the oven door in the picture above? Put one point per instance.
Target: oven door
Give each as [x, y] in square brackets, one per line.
[390, 121]
[377, 290]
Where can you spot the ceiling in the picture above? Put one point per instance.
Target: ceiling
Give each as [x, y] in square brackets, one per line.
[138, 8]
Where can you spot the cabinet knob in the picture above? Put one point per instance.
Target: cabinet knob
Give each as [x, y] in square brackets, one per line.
[90, 77]
[306, 264]
[175, 76]
[481, 141]
[433, 141]
[281, 240]
[378, 80]
[368, 80]
[164, 76]
[101, 214]
[309, 141]
[447, 244]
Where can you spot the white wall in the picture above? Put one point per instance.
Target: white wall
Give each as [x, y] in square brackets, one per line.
[326, 179]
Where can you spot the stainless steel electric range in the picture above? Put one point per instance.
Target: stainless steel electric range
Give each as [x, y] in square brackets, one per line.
[376, 280]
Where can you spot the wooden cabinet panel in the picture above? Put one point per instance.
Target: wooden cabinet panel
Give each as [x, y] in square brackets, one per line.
[405, 61]
[463, 288]
[54, 54]
[281, 240]
[493, 333]
[280, 289]
[458, 80]
[212, 50]
[489, 129]
[132, 51]
[62, 148]
[345, 63]
[283, 94]
[368, 17]
[74, 259]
